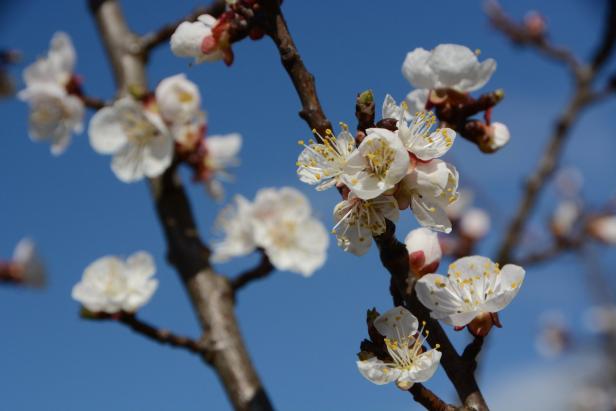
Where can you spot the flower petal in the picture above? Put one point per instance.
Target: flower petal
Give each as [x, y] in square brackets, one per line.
[397, 323]
[376, 371]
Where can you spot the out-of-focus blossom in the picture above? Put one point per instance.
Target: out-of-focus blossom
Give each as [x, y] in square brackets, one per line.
[54, 113]
[407, 362]
[279, 222]
[357, 221]
[456, 209]
[565, 216]
[474, 290]
[111, 285]
[601, 319]
[448, 66]
[28, 264]
[603, 228]
[136, 136]
[178, 99]
[498, 135]
[220, 154]
[553, 337]
[475, 224]
[424, 250]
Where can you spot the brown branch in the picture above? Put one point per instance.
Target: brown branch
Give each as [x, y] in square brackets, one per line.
[163, 336]
[428, 399]
[210, 293]
[521, 35]
[582, 98]
[151, 40]
[262, 270]
[277, 30]
[93, 102]
[608, 38]
[459, 369]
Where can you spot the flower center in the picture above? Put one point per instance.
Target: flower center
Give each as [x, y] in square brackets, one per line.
[139, 130]
[379, 156]
[283, 233]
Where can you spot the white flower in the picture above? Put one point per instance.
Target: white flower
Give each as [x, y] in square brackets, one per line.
[498, 135]
[604, 229]
[220, 153]
[417, 100]
[424, 250]
[178, 99]
[428, 189]
[378, 164]
[357, 221]
[565, 216]
[28, 263]
[111, 285]
[419, 139]
[474, 286]
[292, 239]
[322, 163]
[187, 40]
[408, 362]
[54, 114]
[475, 223]
[448, 66]
[137, 138]
[235, 221]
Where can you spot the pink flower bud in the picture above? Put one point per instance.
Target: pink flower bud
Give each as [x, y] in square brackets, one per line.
[424, 251]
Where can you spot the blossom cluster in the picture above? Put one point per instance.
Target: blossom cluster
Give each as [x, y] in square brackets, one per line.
[279, 222]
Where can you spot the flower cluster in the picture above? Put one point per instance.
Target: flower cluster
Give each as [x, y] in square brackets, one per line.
[388, 171]
[56, 111]
[443, 78]
[111, 285]
[141, 134]
[279, 222]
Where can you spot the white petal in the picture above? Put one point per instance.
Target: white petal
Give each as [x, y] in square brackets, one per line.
[390, 109]
[157, 155]
[511, 278]
[187, 38]
[436, 293]
[425, 240]
[499, 135]
[375, 371]
[178, 99]
[106, 133]
[62, 56]
[475, 223]
[417, 100]
[430, 214]
[396, 323]
[417, 71]
[224, 149]
[424, 366]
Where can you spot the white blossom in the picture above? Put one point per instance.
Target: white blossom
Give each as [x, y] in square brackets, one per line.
[279, 222]
[54, 114]
[357, 221]
[111, 285]
[178, 99]
[428, 189]
[474, 286]
[417, 100]
[29, 263]
[408, 363]
[391, 109]
[419, 139]
[448, 66]
[139, 141]
[475, 223]
[424, 249]
[565, 216]
[604, 229]
[293, 240]
[187, 40]
[378, 164]
[235, 221]
[322, 163]
[220, 154]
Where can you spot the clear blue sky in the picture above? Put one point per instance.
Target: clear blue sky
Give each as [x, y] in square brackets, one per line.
[77, 211]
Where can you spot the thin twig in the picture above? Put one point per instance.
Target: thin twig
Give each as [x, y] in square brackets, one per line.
[428, 399]
[262, 270]
[93, 102]
[151, 40]
[164, 337]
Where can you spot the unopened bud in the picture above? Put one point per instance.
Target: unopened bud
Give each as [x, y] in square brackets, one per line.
[564, 218]
[424, 251]
[603, 229]
[498, 135]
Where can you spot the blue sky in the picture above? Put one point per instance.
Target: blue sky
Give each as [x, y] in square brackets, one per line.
[77, 211]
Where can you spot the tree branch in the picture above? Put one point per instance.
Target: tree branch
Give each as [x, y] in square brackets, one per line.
[210, 293]
[428, 399]
[262, 270]
[277, 30]
[163, 336]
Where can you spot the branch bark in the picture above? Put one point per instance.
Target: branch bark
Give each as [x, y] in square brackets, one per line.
[262, 270]
[210, 293]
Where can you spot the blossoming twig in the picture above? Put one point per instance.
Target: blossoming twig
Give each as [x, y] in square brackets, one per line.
[151, 40]
[164, 336]
[584, 95]
[262, 270]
